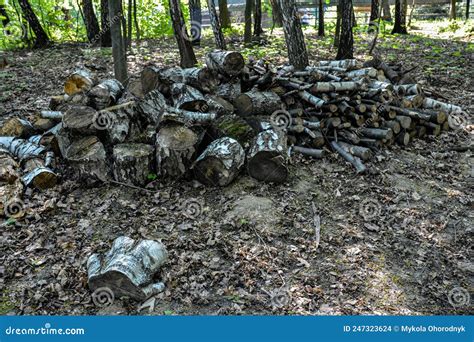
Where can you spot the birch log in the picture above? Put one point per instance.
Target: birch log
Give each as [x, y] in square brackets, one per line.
[133, 163]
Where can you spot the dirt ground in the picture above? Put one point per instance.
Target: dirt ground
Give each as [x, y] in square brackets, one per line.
[397, 240]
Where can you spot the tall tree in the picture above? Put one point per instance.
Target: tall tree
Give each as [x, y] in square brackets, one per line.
[129, 22]
[195, 15]
[118, 48]
[186, 52]
[374, 11]
[248, 22]
[105, 37]
[42, 39]
[224, 14]
[452, 12]
[90, 19]
[257, 26]
[321, 18]
[135, 20]
[400, 17]
[276, 13]
[337, 32]
[468, 4]
[216, 26]
[297, 54]
[345, 48]
[386, 10]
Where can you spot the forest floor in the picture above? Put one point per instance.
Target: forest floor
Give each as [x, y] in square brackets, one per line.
[394, 241]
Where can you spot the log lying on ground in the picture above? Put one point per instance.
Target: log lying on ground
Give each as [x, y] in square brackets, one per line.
[257, 103]
[79, 81]
[188, 98]
[16, 127]
[87, 155]
[229, 63]
[202, 79]
[11, 204]
[127, 269]
[438, 105]
[133, 163]
[105, 94]
[81, 120]
[176, 148]
[219, 105]
[8, 167]
[161, 79]
[116, 121]
[312, 152]
[38, 174]
[355, 161]
[268, 157]
[220, 162]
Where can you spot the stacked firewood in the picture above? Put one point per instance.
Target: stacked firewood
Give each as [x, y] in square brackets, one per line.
[210, 122]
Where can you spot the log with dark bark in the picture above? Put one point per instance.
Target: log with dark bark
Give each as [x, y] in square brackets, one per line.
[311, 152]
[133, 163]
[105, 94]
[220, 162]
[219, 105]
[188, 98]
[176, 148]
[268, 157]
[228, 63]
[257, 103]
[88, 157]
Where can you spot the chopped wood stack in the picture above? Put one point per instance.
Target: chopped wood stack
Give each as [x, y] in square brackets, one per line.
[211, 122]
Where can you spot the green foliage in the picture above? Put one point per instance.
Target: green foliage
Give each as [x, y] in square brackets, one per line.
[452, 26]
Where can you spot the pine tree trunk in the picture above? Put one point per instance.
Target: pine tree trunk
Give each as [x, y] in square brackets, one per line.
[386, 10]
[297, 54]
[400, 17]
[90, 20]
[105, 38]
[321, 18]
[216, 26]
[248, 22]
[452, 12]
[374, 11]
[224, 14]
[118, 48]
[196, 21]
[276, 13]
[186, 52]
[346, 42]
[257, 29]
[42, 39]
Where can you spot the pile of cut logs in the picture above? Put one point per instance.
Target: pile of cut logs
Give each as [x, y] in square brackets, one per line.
[210, 122]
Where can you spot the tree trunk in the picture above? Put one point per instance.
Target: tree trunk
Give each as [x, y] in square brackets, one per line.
[386, 14]
[276, 14]
[129, 22]
[118, 49]
[374, 11]
[248, 22]
[257, 29]
[321, 18]
[90, 20]
[338, 26]
[224, 14]
[297, 54]
[346, 42]
[186, 52]
[196, 21]
[216, 26]
[400, 17]
[105, 38]
[42, 39]
[135, 20]
[452, 12]
[468, 4]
